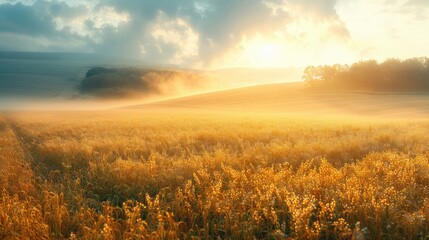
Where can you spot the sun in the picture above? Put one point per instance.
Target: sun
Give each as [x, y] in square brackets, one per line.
[268, 52]
[258, 52]
[262, 53]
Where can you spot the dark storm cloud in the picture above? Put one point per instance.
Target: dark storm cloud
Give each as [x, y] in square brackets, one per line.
[61, 9]
[52, 26]
[22, 19]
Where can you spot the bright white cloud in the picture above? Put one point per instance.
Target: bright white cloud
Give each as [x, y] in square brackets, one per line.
[174, 33]
[107, 17]
[93, 22]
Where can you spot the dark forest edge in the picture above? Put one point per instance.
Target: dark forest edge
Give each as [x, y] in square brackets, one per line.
[392, 75]
[136, 82]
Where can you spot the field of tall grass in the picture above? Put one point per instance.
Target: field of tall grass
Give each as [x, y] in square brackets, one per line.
[131, 175]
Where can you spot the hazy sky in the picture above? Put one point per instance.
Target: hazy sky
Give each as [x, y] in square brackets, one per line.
[220, 33]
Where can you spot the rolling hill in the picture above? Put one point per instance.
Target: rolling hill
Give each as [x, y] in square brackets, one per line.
[296, 98]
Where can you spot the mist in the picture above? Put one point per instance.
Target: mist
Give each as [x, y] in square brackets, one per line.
[90, 81]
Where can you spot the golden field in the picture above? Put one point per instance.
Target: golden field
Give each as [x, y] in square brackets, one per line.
[130, 174]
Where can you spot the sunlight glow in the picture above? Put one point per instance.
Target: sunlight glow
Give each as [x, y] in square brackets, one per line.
[256, 53]
[262, 53]
[279, 51]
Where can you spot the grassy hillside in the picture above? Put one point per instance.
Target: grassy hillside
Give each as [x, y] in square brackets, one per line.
[297, 98]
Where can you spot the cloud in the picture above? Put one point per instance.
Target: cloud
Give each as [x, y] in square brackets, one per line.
[387, 29]
[213, 33]
[422, 3]
[310, 21]
[221, 25]
[172, 38]
[22, 19]
[56, 26]
[82, 19]
[418, 8]
[184, 32]
[188, 33]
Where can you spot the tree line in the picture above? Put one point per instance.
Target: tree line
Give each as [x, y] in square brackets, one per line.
[139, 82]
[391, 75]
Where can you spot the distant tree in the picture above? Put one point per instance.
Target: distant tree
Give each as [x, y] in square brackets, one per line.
[311, 75]
[98, 70]
[391, 71]
[391, 75]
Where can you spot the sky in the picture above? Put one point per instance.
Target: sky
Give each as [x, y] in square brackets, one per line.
[213, 34]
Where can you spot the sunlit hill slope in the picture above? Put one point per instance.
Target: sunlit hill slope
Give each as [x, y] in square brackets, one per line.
[297, 98]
